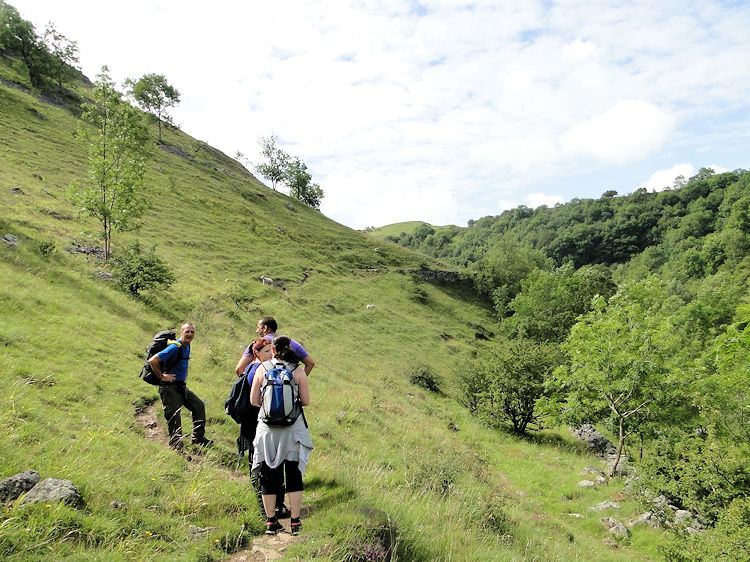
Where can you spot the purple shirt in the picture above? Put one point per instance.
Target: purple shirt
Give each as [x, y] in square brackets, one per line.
[293, 345]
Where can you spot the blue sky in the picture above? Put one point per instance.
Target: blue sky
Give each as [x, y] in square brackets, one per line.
[443, 111]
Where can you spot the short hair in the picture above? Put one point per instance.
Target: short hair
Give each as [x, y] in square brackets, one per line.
[259, 344]
[270, 323]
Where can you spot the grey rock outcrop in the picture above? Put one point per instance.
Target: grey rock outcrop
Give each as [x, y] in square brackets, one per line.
[52, 490]
[12, 487]
[599, 445]
[615, 527]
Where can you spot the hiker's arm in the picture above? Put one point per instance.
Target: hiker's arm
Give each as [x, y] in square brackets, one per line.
[242, 365]
[300, 379]
[309, 363]
[255, 389]
[155, 362]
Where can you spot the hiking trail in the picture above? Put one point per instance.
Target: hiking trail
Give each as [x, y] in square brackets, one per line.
[262, 548]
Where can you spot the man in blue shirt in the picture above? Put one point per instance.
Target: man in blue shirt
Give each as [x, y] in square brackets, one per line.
[171, 366]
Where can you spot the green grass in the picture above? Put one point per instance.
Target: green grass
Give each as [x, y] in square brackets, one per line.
[71, 345]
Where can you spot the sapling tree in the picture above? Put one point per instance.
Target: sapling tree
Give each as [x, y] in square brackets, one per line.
[621, 356]
[155, 95]
[116, 143]
[300, 184]
[64, 56]
[275, 160]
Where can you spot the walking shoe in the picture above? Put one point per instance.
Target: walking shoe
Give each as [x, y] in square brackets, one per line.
[295, 525]
[203, 442]
[273, 526]
[283, 512]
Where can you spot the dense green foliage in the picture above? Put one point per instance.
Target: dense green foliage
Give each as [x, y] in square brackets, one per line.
[647, 295]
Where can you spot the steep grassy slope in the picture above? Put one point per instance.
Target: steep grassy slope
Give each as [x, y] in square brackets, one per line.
[70, 348]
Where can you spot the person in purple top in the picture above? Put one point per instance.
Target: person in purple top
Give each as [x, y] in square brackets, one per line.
[267, 327]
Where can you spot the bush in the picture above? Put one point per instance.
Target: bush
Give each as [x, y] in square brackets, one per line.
[46, 247]
[425, 377]
[135, 270]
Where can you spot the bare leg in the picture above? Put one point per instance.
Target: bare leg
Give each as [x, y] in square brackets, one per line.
[295, 502]
[269, 504]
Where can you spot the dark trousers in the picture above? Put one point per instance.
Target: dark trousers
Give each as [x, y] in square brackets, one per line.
[173, 397]
[272, 479]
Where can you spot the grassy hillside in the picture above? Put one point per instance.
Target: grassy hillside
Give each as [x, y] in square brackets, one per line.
[71, 347]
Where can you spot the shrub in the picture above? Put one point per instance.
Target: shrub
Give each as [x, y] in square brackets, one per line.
[46, 247]
[425, 377]
[135, 270]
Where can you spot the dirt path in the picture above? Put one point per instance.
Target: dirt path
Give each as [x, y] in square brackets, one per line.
[263, 548]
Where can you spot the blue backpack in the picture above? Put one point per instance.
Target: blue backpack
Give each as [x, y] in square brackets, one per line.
[280, 405]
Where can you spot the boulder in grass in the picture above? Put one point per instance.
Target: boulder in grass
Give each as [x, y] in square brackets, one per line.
[52, 490]
[12, 487]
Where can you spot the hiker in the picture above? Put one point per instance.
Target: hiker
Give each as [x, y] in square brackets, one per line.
[174, 392]
[267, 327]
[281, 451]
[262, 351]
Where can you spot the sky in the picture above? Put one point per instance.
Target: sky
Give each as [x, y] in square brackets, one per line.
[442, 111]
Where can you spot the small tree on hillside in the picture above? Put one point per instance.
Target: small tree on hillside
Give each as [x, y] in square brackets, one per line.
[154, 94]
[274, 165]
[64, 56]
[300, 184]
[505, 382]
[116, 142]
[620, 363]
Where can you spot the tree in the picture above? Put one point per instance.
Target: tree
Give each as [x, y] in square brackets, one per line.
[64, 56]
[18, 36]
[619, 369]
[300, 184]
[116, 142]
[154, 94]
[274, 167]
[509, 379]
[136, 270]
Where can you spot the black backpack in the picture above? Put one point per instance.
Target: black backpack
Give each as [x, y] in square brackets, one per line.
[238, 404]
[159, 343]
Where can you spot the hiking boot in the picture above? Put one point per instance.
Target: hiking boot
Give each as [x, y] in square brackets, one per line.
[273, 526]
[295, 525]
[283, 512]
[203, 442]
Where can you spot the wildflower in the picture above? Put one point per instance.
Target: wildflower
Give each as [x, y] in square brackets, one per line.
[47, 505]
[149, 533]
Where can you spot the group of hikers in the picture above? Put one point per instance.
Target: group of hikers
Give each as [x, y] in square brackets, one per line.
[278, 452]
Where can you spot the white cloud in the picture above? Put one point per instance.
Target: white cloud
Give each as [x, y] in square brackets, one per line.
[663, 179]
[535, 200]
[451, 111]
[628, 131]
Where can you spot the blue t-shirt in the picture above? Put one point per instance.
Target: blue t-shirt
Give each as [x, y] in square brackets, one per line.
[250, 372]
[177, 357]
